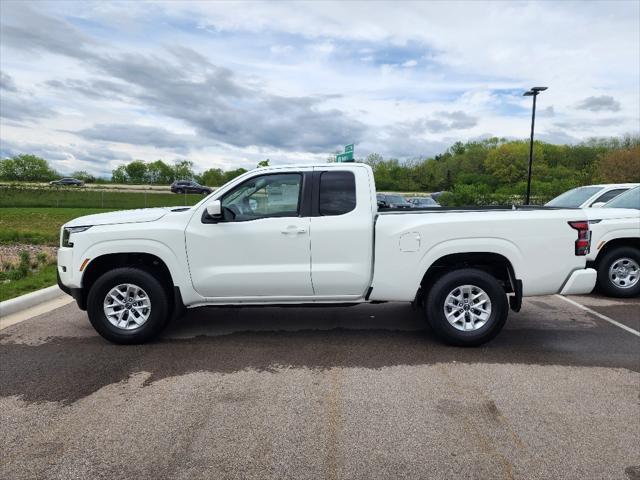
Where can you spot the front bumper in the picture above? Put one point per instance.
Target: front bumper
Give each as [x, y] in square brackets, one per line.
[77, 293]
[580, 282]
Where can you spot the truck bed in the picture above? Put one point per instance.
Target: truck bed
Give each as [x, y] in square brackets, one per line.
[471, 208]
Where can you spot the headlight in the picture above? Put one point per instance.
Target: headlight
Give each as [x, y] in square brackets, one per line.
[67, 231]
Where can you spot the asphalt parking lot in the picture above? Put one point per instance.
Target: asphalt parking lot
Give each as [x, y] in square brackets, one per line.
[359, 392]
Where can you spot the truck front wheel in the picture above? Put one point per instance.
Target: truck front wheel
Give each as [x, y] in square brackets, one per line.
[466, 307]
[128, 306]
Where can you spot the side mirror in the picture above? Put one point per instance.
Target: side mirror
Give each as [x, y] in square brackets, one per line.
[214, 209]
[598, 204]
[382, 204]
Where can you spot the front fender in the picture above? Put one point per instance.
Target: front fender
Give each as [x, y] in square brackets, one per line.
[601, 242]
[153, 247]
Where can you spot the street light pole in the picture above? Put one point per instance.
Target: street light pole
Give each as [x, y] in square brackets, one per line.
[532, 93]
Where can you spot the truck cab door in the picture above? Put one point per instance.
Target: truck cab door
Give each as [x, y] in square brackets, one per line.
[341, 232]
[262, 246]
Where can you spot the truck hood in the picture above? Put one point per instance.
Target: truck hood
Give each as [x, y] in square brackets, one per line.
[123, 216]
[611, 213]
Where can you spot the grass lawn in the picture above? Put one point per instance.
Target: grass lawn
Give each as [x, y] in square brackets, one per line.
[44, 277]
[13, 196]
[39, 226]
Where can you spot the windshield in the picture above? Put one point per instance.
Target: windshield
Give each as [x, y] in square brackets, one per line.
[629, 199]
[395, 199]
[574, 198]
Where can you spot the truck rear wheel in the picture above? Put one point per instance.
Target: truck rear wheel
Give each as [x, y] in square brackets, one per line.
[128, 306]
[466, 307]
[619, 272]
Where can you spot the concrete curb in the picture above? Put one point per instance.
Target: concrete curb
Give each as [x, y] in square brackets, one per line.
[29, 300]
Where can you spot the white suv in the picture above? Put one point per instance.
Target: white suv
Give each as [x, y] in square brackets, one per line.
[615, 240]
[590, 195]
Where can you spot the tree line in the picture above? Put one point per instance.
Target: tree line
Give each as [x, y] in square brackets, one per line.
[494, 170]
[481, 171]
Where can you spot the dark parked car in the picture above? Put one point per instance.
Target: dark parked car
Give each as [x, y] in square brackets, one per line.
[68, 181]
[189, 186]
[391, 200]
[423, 202]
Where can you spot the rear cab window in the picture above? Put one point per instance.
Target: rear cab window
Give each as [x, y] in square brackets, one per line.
[337, 192]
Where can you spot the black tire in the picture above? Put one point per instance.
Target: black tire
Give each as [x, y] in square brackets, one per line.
[159, 312]
[606, 284]
[179, 190]
[435, 305]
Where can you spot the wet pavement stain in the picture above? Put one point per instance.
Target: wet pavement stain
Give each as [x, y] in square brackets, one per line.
[633, 472]
[67, 369]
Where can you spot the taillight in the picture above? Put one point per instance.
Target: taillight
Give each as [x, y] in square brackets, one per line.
[584, 237]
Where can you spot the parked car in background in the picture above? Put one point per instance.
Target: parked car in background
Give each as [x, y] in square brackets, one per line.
[590, 195]
[423, 202]
[392, 200]
[68, 181]
[615, 237]
[189, 186]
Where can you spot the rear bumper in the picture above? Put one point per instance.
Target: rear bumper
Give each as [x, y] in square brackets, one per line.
[580, 282]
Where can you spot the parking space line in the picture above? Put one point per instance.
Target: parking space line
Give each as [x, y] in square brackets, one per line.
[599, 315]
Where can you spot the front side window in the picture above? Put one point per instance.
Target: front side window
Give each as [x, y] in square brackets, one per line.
[610, 195]
[337, 193]
[265, 196]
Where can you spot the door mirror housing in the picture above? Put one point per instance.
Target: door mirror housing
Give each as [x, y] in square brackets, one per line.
[214, 209]
[598, 204]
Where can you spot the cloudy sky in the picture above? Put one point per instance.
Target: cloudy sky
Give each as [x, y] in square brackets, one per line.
[226, 84]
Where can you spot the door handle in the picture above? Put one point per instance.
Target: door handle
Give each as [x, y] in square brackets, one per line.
[293, 230]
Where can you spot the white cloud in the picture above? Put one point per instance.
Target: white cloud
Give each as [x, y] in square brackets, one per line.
[246, 81]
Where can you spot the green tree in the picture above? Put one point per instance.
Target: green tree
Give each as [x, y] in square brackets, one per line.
[136, 172]
[263, 163]
[231, 174]
[119, 175]
[183, 170]
[83, 175]
[214, 177]
[620, 166]
[159, 173]
[26, 168]
[509, 162]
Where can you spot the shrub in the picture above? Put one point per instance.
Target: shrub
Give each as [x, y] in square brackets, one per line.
[24, 265]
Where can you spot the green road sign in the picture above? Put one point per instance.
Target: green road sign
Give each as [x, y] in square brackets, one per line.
[345, 157]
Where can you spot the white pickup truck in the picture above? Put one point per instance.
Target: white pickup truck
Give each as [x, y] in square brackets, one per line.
[315, 235]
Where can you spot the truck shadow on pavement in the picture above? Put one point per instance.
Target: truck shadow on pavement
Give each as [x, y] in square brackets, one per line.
[228, 340]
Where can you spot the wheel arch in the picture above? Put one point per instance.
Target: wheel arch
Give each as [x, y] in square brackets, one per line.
[148, 262]
[495, 264]
[633, 242]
